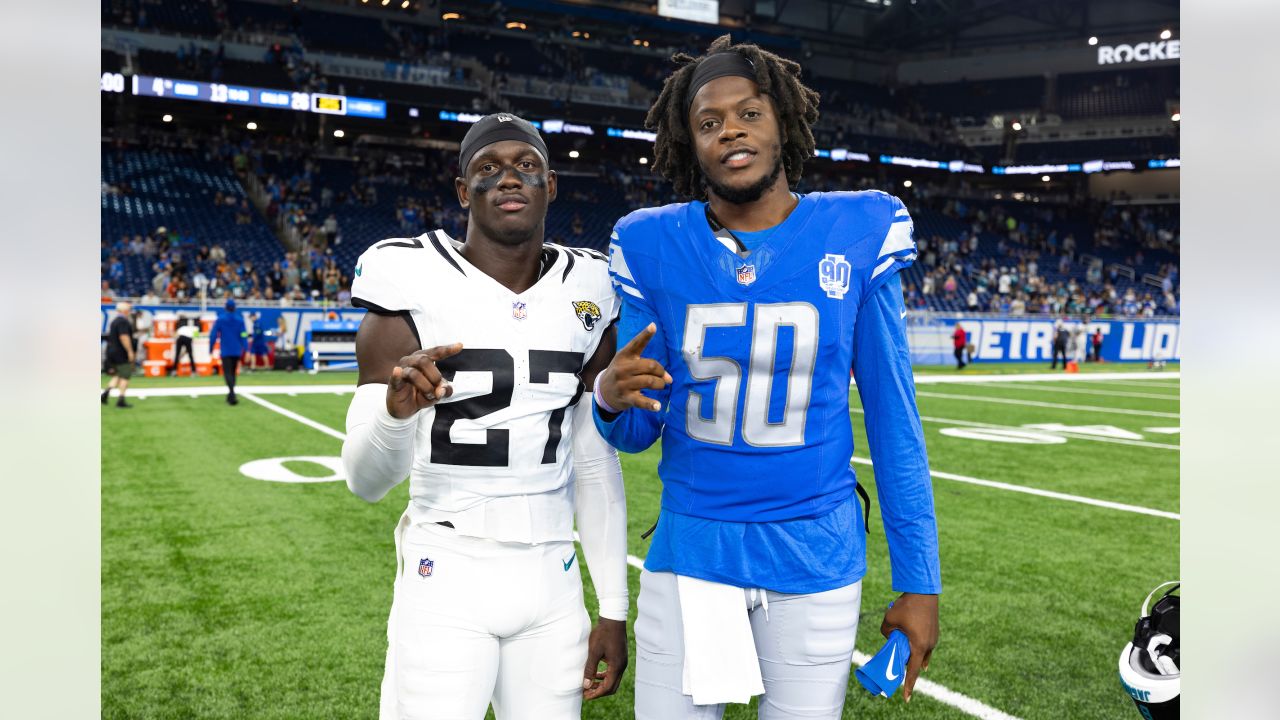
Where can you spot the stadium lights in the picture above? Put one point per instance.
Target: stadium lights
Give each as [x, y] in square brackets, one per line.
[1044, 178]
[167, 118]
[404, 5]
[1017, 126]
[251, 125]
[517, 26]
[386, 3]
[644, 161]
[573, 154]
[1166, 34]
[451, 16]
[1175, 117]
[581, 34]
[906, 183]
[1093, 39]
[338, 133]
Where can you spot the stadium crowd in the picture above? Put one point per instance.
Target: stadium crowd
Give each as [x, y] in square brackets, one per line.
[976, 253]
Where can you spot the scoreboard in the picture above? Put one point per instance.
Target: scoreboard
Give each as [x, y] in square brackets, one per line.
[325, 104]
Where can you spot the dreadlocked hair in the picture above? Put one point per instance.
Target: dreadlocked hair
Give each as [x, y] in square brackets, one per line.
[779, 78]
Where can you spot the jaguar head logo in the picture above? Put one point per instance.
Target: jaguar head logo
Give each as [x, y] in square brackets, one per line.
[588, 312]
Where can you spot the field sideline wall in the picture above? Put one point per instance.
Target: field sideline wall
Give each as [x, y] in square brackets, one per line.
[1003, 338]
[995, 338]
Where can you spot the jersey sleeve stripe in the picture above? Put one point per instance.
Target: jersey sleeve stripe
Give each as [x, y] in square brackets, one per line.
[897, 240]
[629, 290]
[618, 263]
[568, 266]
[435, 241]
[890, 261]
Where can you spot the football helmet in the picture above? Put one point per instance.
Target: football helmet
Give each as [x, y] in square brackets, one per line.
[1149, 664]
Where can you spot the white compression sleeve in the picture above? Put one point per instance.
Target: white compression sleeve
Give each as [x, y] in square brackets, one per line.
[378, 451]
[600, 506]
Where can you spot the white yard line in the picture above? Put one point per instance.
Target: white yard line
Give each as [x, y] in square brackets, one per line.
[294, 416]
[960, 378]
[961, 702]
[252, 389]
[1044, 493]
[1073, 436]
[1056, 406]
[920, 380]
[1082, 391]
[1149, 384]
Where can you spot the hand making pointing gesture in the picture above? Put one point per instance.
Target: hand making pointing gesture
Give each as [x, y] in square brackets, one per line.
[416, 383]
[628, 374]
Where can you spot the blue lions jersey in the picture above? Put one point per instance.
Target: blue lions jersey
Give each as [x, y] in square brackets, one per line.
[755, 427]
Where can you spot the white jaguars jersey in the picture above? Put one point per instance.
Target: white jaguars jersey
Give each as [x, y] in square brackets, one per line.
[496, 457]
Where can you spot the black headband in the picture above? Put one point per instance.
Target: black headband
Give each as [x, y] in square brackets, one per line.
[496, 128]
[721, 64]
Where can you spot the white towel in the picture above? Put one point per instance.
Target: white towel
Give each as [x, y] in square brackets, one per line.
[720, 662]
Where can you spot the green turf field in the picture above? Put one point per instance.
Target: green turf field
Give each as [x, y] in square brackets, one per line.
[229, 597]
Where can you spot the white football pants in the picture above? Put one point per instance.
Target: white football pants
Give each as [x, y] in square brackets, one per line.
[805, 645]
[489, 622]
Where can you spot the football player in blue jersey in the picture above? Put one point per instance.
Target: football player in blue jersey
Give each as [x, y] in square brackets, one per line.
[748, 308]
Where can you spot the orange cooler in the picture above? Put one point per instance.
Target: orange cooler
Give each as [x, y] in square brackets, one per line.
[164, 324]
[160, 349]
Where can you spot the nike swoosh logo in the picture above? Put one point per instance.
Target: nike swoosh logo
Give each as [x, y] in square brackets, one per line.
[888, 670]
[904, 312]
[358, 269]
[569, 563]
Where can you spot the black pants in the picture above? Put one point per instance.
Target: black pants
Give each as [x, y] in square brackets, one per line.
[959, 358]
[229, 365]
[184, 343]
[1059, 350]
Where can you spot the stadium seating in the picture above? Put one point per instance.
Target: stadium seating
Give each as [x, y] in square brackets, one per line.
[175, 190]
[191, 17]
[980, 98]
[1111, 94]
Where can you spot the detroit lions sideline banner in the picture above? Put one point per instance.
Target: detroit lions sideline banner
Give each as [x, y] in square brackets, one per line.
[1030, 339]
[994, 338]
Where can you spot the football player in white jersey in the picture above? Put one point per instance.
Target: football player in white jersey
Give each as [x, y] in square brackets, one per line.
[473, 359]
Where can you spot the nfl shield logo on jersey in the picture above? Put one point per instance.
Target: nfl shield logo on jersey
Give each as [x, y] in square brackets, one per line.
[519, 310]
[833, 275]
[425, 566]
[746, 274]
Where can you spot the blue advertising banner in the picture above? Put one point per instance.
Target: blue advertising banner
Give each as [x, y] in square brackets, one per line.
[1030, 339]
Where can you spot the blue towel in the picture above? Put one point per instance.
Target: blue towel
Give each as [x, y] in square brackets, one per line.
[883, 674]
